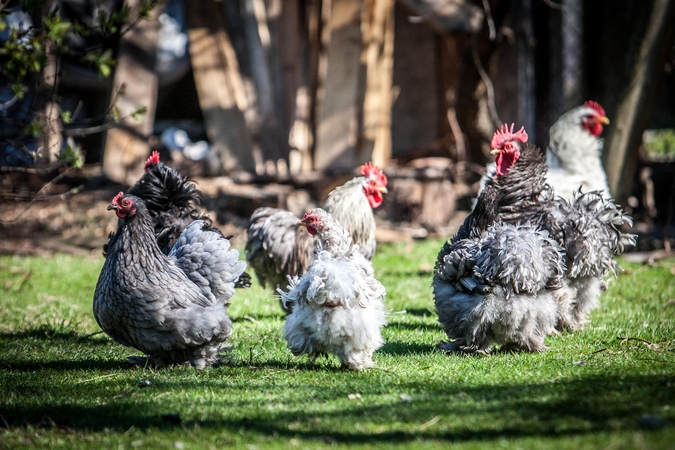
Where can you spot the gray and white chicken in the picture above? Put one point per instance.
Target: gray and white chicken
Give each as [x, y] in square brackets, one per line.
[494, 283]
[276, 248]
[574, 154]
[337, 304]
[588, 227]
[171, 307]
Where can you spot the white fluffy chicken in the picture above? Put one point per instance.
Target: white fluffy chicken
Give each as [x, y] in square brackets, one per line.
[276, 248]
[337, 305]
[494, 283]
[574, 153]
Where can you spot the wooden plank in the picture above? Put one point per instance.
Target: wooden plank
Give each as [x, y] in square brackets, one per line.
[219, 85]
[379, 41]
[316, 73]
[418, 107]
[340, 96]
[265, 73]
[126, 146]
[296, 63]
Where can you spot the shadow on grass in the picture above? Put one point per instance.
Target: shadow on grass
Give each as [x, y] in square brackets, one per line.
[406, 348]
[64, 365]
[252, 318]
[302, 363]
[420, 312]
[51, 333]
[432, 327]
[461, 413]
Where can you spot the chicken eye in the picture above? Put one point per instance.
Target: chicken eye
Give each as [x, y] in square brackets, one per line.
[508, 147]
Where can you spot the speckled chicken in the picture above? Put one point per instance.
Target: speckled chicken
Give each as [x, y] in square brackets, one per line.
[171, 307]
[494, 283]
[337, 305]
[276, 248]
[173, 202]
[588, 228]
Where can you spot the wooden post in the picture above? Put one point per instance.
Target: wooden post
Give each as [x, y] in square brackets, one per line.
[219, 85]
[261, 42]
[340, 95]
[298, 70]
[379, 43]
[631, 115]
[126, 146]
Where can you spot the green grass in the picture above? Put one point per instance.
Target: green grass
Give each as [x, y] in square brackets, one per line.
[62, 385]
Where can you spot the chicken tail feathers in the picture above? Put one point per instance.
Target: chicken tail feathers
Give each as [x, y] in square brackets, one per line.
[593, 236]
[207, 259]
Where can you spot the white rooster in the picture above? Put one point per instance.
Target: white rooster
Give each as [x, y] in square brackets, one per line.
[574, 154]
[336, 306]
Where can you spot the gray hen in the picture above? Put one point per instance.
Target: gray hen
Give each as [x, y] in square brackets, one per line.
[171, 307]
[588, 228]
[276, 249]
[494, 283]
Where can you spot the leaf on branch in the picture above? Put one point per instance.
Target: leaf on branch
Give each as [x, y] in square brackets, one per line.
[72, 155]
[115, 114]
[66, 117]
[136, 115]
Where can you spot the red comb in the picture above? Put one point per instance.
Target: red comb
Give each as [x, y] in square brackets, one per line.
[596, 106]
[152, 160]
[370, 171]
[504, 134]
[117, 197]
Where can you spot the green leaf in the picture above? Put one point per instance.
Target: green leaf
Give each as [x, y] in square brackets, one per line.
[66, 117]
[104, 70]
[115, 114]
[72, 155]
[136, 115]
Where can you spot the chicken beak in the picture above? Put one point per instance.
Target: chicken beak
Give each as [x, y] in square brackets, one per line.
[604, 120]
[494, 151]
[382, 190]
[302, 224]
[112, 206]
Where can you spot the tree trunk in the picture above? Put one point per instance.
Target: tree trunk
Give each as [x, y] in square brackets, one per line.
[635, 103]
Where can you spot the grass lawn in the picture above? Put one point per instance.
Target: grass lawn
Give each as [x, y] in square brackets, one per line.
[63, 385]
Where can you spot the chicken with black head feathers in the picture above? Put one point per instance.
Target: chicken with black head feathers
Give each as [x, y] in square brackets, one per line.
[495, 283]
[171, 307]
[173, 202]
[588, 228]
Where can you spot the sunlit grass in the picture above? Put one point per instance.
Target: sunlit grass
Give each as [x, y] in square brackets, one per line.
[63, 384]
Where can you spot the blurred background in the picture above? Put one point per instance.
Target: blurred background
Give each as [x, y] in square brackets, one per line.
[271, 102]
